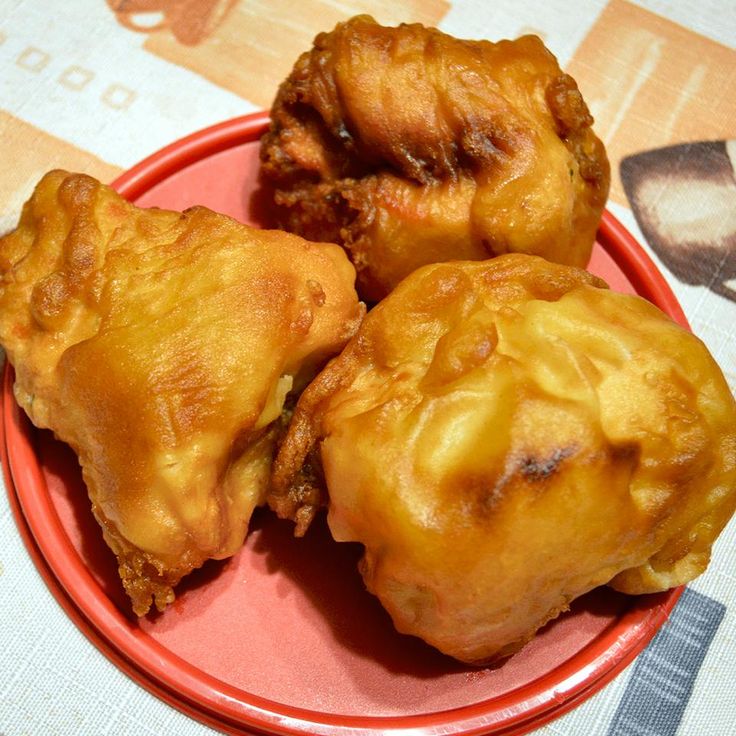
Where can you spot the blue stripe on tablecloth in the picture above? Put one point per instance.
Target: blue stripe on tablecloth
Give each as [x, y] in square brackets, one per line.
[664, 673]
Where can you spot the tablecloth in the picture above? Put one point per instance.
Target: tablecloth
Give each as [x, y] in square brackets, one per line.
[96, 86]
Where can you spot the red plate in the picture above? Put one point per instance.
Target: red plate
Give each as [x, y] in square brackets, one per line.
[282, 638]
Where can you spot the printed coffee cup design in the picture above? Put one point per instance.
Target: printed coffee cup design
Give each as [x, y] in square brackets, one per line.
[684, 200]
[190, 21]
[249, 47]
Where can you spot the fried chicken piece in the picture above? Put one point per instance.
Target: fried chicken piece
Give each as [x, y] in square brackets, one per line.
[504, 436]
[161, 347]
[408, 146]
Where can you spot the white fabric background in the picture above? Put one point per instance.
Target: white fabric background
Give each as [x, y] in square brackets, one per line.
[52, 680]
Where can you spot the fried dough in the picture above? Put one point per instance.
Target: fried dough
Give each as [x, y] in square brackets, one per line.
[161, 346]
[504, 436]
[408, 146]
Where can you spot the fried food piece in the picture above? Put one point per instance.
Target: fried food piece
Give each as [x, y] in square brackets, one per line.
[504, 436]
[161, 347]
[408, 146]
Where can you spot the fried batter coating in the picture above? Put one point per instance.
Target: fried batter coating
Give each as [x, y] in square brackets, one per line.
[161, 347]
[408, 146]
[504, 436]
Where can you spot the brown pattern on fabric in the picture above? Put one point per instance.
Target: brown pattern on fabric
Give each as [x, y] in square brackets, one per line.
[684, 200]
[248, 47]
[650, 82]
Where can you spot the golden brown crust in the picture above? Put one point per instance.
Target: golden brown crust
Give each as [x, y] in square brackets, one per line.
[161, 346]
[503, 436]
[297, 489]
[408, 147]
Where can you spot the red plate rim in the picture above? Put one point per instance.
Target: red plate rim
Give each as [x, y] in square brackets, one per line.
[77, 618]
[217, 703]
[618, 242]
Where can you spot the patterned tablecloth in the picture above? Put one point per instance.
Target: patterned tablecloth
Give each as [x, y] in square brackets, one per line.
[96, 86]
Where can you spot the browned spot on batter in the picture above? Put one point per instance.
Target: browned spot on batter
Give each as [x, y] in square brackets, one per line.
[540, 469]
